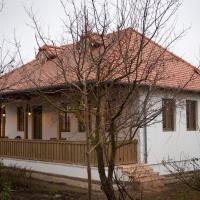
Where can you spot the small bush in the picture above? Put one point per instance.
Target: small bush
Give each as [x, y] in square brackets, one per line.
[15, 177]
[6, 191]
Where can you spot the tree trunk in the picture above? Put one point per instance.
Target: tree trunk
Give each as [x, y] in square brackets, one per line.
[107, 186]
[88, 157]
[111, 163]
[87, 131]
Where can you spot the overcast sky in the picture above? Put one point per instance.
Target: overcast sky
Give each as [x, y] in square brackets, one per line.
[50, 12]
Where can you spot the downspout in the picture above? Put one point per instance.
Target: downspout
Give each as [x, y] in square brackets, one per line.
[145, 144]
[145, 136]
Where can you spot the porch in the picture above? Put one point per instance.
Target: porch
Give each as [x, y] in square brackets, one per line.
[58, 151]
[35, 131]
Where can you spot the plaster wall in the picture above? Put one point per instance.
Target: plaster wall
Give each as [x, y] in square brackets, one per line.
[176, 145]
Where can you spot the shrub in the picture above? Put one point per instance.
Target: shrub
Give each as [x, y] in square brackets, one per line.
[6, 191]
[15, 177]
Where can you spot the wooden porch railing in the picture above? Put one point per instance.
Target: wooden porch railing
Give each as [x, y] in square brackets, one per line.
[60, 151]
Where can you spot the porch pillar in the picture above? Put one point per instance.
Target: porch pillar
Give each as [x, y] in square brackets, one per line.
[3, 122]
[26, 123]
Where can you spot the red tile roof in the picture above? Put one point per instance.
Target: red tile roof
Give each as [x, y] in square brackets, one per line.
[156, 63]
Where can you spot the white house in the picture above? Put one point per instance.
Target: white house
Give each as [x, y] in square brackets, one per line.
[34, 136]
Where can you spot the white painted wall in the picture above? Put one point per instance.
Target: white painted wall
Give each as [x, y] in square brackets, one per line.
[173, 145]
[69, 170]
[11, 121]
[177, 145]
[49, 120]
[50, 124]
[74, 134]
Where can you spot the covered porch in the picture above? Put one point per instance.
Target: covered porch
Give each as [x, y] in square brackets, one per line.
[37, 120]
[36, 131]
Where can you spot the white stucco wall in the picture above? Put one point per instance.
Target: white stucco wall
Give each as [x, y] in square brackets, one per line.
[11, 121]
[74, 134]
[172, 145]
[50, 123]
[49, 118]
[176, 145]
[70, 170]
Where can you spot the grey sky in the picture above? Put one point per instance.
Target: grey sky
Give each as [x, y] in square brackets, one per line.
[15, 18]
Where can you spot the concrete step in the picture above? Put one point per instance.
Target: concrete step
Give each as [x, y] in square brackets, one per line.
[140, 172]
[144, 176]
[153, 175]
[153, 184]
[134, 166]
[132, 170]
[148, 179]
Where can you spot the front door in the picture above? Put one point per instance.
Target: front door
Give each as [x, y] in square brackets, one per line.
[37, 122]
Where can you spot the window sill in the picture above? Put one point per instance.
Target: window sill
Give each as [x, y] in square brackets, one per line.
[191, 129]
[168, 130]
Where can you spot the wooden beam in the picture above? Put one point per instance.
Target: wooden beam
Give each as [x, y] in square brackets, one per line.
[3, 122]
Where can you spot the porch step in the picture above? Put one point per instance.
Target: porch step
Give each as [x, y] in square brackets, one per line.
[143, 176]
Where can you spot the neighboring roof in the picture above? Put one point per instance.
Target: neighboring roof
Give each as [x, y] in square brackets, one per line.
[61, 67]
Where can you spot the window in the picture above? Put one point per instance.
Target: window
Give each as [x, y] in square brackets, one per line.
[20, 119]
[64, 120]
[82, 121]
[107, 114]
[81, 125]
[90, 116]
[42, 57]
[191, 114]
[168, 114]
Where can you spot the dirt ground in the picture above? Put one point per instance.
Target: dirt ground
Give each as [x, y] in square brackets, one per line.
[172, 192]
[45, 191]
[42, 190]
[176, 191]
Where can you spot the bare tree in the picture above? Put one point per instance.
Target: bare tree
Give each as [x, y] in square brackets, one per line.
[185, 171]
[8, 59]
[109, 73]
[1, 5]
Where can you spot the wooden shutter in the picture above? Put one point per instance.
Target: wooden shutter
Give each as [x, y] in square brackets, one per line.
[168, 114]
[20, 119]
[64, 119]
[107, 114]
[67, 121]
[81, 124]
[191, 114]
